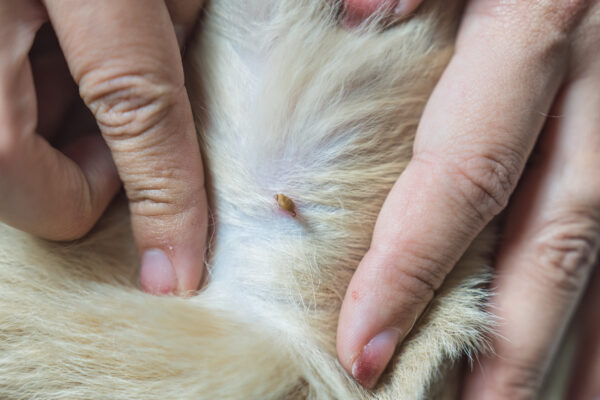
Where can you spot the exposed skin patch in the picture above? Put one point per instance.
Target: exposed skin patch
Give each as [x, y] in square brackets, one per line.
[286, 203]
[355, 295]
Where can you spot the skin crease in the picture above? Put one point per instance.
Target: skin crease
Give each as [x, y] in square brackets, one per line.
[517, 68]
[514, 63]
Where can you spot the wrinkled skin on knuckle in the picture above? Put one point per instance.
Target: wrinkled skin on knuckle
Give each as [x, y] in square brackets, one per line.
[420, 285]
[153, 199]
[566, 250]
[414, 273]
[515, 379]
[128, 104]
[156, 188]
[159, 213]
[136, 114]
[484, 182]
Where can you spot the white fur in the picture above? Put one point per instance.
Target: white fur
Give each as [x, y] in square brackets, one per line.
[287, 102]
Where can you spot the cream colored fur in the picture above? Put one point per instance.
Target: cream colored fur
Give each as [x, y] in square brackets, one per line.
[287, 102]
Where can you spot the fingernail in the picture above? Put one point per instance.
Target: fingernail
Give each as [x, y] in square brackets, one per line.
[157, 275]
[374, 357]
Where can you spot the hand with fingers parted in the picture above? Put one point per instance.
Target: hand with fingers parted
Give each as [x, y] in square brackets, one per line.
[524, 74]
[124, 58]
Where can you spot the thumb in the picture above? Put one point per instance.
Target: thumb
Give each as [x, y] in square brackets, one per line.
[476, 133]
[124, 57]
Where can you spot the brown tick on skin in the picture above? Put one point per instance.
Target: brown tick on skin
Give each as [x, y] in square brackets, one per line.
[286, 203]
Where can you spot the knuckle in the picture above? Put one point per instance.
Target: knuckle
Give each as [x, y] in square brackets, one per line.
[566, 250]
[515, 379]
[128, 104]
[485, 182]
[414, 273]
[157, 196]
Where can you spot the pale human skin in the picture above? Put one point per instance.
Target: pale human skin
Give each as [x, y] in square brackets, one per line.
[522, 72]
[516, 67]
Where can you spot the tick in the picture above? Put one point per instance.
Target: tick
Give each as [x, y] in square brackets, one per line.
[286, 203]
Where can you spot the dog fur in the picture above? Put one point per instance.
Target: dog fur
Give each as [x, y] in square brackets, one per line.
[287, 101]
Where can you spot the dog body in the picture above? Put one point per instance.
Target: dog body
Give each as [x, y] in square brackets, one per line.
[287, 102]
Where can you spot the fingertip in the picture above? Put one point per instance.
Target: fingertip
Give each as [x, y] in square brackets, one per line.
[172, 248]
[367, 334]
[366, 363]
[381, 306]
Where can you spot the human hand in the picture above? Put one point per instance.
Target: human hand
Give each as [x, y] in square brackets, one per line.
[125, 61]
[518, 67]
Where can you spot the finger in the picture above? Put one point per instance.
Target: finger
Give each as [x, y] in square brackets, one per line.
[356, 11]
[551, 242]
[124, 57]
[586, 368]
[477, 130]
[41, 190]
[48, 194]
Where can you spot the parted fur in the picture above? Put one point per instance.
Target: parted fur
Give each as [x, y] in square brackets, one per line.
[289, 102]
